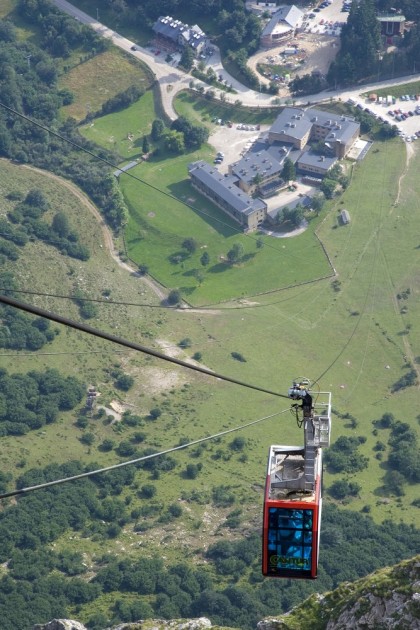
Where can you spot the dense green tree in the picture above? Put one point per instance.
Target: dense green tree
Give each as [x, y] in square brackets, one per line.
[174, 141]
[236, 253]
[145, 145]
[155, 413]
[60, 224]
[328, 187]
[289, 170]
[205, 258]
[360, 42]
[318, 201]
[124, 382]
[158, 128]
[187, 58]
[194, 135]
[174, 297]
[190, 244]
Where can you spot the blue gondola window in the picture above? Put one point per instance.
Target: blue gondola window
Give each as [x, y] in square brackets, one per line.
[290, 539]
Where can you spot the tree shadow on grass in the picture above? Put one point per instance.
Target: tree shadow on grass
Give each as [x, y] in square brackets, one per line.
[211, 214]
[218, 268]
[178, 257]
[249, 256]
[190, 273]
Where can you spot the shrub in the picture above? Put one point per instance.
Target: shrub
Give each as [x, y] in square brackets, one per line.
[175, 510]
[185, 343]
[124, 382]
[174, 297]
[147, 491]
[155, 413]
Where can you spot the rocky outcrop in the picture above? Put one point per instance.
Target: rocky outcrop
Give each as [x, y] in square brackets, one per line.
[60, 624]
[150, 624]
[388, 599]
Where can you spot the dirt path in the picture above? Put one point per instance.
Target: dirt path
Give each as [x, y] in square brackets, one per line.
[410, 153]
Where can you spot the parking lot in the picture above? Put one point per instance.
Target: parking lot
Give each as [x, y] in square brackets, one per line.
[404, 112]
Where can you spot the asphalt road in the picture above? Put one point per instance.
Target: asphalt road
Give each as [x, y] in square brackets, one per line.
[171, 80]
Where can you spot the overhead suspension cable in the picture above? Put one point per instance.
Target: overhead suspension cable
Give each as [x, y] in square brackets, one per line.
[40, 312]
[220, 307]
[90, 473]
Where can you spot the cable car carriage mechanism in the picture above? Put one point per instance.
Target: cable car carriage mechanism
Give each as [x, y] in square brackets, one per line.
[293, 491]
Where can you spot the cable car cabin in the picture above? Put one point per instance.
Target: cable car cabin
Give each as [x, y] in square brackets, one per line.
[293, 498]
[292, 518]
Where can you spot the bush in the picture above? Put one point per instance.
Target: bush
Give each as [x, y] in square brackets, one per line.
[238, 444]
[175, 510]
[192, 470]
[87, 438]
[341, 489]
[124, 382]
[238, 357]
[185, 343]
[147, 491]
[106, 446]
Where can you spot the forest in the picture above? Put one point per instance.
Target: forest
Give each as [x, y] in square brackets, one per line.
[30, 104]
[224, 583]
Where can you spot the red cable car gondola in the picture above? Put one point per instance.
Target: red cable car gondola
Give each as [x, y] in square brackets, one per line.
[293, 492]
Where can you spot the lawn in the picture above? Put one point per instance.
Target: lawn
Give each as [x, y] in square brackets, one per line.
[196, 107]
[159, 224]
[123, 132]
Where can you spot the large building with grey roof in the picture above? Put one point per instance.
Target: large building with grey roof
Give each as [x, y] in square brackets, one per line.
[298, 126]
[255, 169]
[223, 190]
[282, 26]
[175, 34]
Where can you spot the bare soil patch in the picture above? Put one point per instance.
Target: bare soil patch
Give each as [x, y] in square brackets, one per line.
[319, 52]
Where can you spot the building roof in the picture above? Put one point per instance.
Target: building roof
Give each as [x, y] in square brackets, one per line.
[341, 128]
[310, 159]
[174, 29]
[293, 122]
[283, 20]
[254, 163]
[225, 187]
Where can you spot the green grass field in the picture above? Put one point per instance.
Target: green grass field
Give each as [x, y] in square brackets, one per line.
[123, 133]
[158, 226]
[195, 107]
